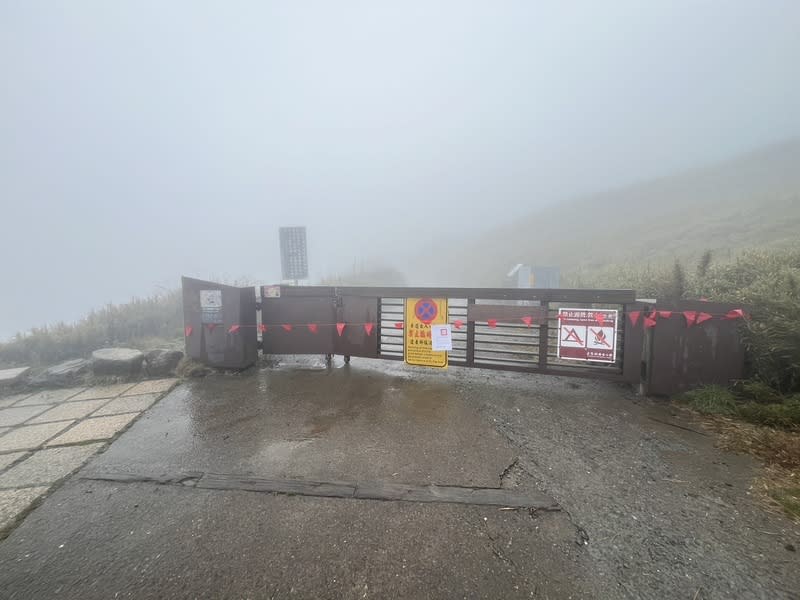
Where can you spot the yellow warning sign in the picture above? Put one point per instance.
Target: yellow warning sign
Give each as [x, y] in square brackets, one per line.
[421, 313]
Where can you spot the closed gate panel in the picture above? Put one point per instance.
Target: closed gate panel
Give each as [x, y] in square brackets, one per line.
[357, 312]
[287, 322]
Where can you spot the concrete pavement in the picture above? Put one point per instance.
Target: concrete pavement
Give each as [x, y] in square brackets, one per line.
[648, 507]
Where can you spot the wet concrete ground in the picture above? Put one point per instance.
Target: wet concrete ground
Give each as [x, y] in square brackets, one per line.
[648, 510]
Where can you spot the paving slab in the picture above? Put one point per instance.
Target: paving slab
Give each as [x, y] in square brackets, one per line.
[96, 428]
[156, 386]
[126, 404]
[9, 376]
[13, 502]
[8, 459]
[16, 415]
[47, 466]
[50, 396]
[103, 391]
[7, 401]
[29, 437]
[68, 411]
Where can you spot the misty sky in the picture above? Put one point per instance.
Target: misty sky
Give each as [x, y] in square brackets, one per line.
[144, 140]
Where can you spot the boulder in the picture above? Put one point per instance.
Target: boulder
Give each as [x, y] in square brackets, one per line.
[162, 361]
[117, 361]
[12, 376]
[64, 373]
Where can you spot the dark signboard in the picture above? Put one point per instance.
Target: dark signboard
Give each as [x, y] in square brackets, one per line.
[294, 253]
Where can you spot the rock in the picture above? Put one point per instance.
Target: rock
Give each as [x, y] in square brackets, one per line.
[162, 361]
[117, 361]
[12, 376]
[64, 373]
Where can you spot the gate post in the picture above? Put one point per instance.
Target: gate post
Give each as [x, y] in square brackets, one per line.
[470, 358]
[543, 336]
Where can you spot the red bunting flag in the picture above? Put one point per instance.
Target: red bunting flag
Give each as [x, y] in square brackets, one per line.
[233, 329]
[398, 325]
[600, 318]
[312, 327]
[634, 316]
[340, 328]
[527, 320]
[262, 327]
[702, 318]
[368, 328]
[211, 326]
[649, 322]
[665, 314]
[187, 331]
[691, 317]
[492, 323]
[458, 323]
[703, 299]
[286, 327]
[736, 313]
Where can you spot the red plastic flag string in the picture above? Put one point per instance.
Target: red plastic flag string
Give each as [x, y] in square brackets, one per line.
[736, 313]
[649, 322]
[691, 317]
[233, 329]
[312, 327]
[634, 316]
[665, 314]
[600, 318]
[492, 323]
[340, 328]
[527, 320]
[458, 323]
[702, 318]
[262, 327]
[211, 326]
[286, 327]
[187, 331]
[398, 325]
[368, 328]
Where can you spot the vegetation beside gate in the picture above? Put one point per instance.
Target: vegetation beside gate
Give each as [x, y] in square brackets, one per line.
[759, 416]
[136, 323]
[767, 281]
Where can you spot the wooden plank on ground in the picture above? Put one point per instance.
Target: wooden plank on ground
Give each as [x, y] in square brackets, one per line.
[362, 490]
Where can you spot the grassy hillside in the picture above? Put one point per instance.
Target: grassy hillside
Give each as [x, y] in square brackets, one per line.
[753, 200]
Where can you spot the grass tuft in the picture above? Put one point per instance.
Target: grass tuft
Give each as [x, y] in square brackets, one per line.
[712, 400]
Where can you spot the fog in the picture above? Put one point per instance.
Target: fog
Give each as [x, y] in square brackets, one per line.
[144, 140]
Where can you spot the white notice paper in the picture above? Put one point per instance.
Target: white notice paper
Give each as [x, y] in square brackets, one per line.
[210, 298]
[441, 337]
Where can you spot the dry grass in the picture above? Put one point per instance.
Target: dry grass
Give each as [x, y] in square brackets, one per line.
[779, 487]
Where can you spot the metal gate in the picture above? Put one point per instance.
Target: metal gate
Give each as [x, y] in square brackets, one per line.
[493, 334]
[498, 328]
[494, 328]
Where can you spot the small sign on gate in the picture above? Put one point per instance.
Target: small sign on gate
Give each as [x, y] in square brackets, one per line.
[587, 334]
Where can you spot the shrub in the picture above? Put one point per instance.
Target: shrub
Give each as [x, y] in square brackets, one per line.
[159, 316]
